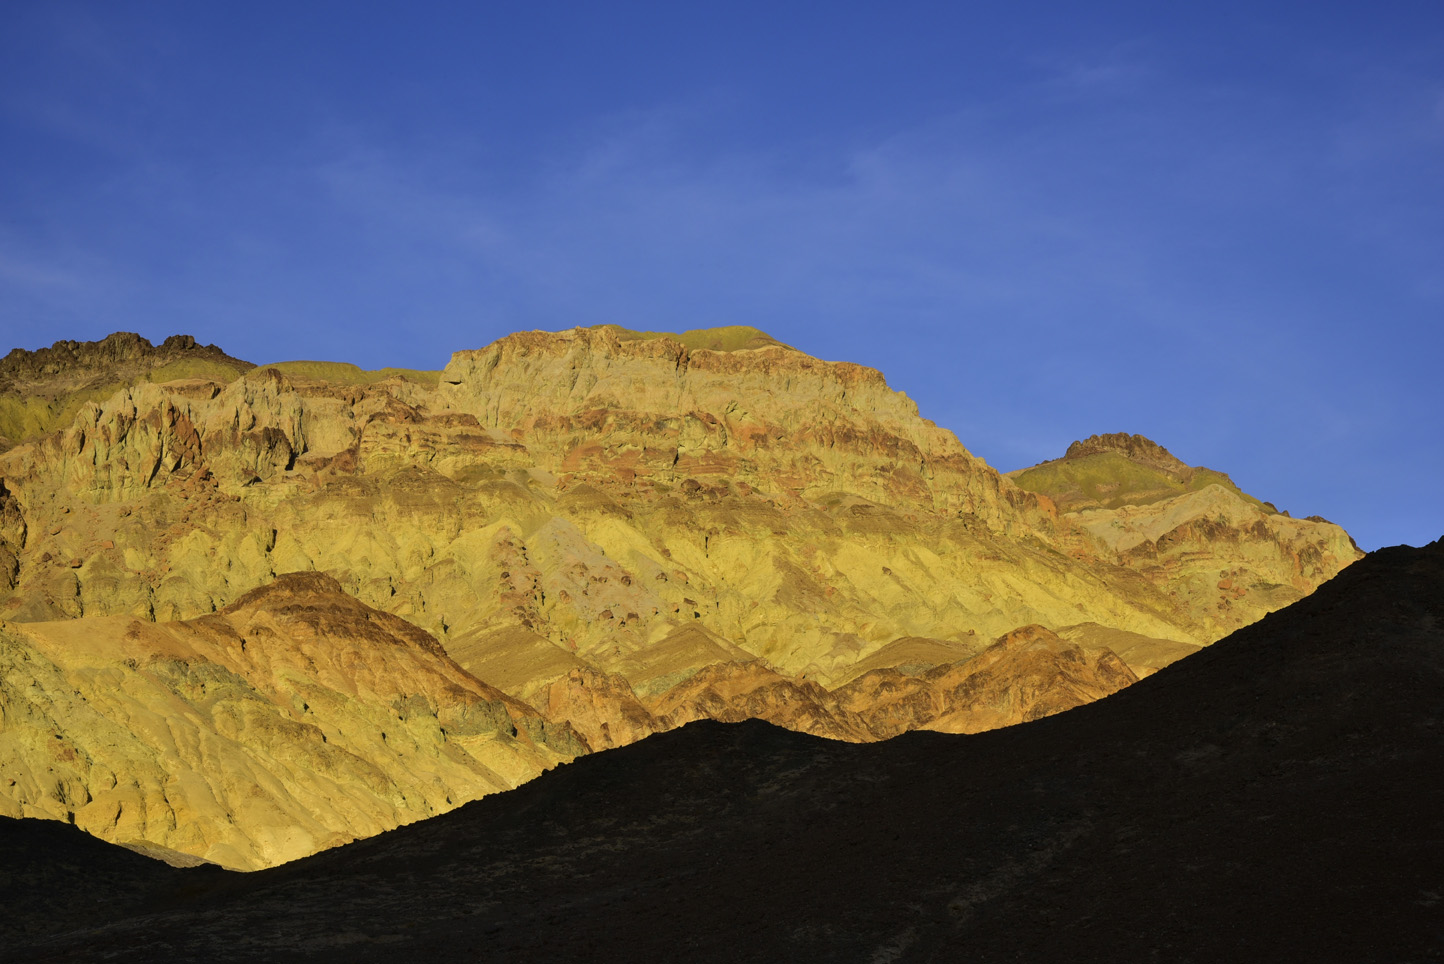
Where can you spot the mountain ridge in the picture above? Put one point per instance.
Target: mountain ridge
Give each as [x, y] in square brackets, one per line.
[1271, 798]
[608, 533]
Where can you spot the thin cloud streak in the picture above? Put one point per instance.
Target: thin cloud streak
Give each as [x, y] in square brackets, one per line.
[925, 232]
[1105, 244]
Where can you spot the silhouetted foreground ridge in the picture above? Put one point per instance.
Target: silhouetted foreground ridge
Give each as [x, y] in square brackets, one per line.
[1274, 797]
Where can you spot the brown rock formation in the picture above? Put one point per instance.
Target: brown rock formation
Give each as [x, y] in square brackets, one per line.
[1024, 675]
[68, 366]
[733, 692]
[600, 706]
[294, 719]
[623, 414]
[42, 390]
[1135, 448]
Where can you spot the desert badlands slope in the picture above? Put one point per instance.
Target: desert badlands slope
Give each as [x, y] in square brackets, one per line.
[252, 612]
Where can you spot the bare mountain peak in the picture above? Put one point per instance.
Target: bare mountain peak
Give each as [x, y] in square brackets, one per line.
[116, 348]
[42, 390]
[1134, 447]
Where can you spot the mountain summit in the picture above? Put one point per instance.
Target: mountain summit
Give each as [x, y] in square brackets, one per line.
[1136, 448]
[1188, 530]
[42, 390]
[622, 531]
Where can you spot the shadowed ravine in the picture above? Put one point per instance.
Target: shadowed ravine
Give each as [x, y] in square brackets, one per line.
[1274, 797]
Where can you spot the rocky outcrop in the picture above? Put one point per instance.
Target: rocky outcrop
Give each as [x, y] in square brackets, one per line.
[630, 414]
[601, 707]
[12, 538]
[1024, 675]
[1135, 448]
[42, 390]
[294, 719]
[1221, 554]
[1111, 471]
[733, 692]
[68, 365]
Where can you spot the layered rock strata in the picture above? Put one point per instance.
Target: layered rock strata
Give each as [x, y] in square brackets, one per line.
[1223, 555]
[1024, 675]
[618, 531]
[599, 492]
[292, 720]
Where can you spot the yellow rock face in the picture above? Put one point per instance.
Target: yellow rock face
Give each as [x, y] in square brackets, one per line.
[1222, 555]
[292, 721]
[604, 492]
[1023, 675]
[619, 531]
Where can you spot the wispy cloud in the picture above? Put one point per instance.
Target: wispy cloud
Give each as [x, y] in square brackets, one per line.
[1119, 69]
[34, 275]
[78, 69]
[1102, 243]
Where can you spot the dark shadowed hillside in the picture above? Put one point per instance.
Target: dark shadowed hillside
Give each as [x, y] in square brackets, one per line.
[1274, 797]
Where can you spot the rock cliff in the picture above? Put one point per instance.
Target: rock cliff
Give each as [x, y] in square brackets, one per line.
[605, 491]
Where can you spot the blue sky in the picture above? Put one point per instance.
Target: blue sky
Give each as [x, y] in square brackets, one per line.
[1220, 225]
